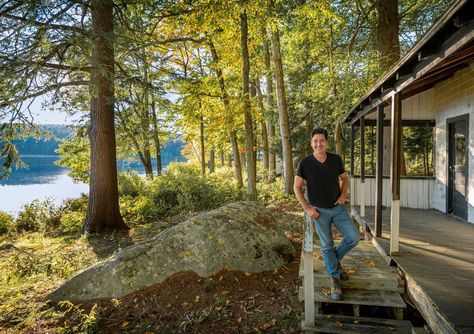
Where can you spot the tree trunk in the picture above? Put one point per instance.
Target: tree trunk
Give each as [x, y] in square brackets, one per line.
[221, 154]
[387, 32]
[203, 151]
[212, 160]
[262, 124]
[225, 100]
[270, 112]
[249, 147]
[388, 45]
[283, 113]
[156, 140]
[103, 210]
[339, 140]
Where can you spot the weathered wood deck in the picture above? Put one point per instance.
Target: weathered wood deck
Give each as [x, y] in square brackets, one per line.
[372, 282]
[437, 258]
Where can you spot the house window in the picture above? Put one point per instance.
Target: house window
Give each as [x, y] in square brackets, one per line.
[418, 151]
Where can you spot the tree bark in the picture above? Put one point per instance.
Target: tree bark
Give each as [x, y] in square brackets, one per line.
[270, 112]
[339, 140]
[156, 140]
[387, 32]
[221, 155]
[212, 160]
[262, 124]
[388, 45]
[283, 114]
[249, 141]
[103, 210]
[203, 151]
[225, 100]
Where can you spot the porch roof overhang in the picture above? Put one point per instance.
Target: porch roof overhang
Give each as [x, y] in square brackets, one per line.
[442, 51]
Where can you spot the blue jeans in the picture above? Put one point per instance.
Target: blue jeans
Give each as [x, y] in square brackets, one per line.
[340, 218]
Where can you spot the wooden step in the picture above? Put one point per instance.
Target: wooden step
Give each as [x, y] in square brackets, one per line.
[357, 325]
[359, 297]
[318, 267]
[393, 284]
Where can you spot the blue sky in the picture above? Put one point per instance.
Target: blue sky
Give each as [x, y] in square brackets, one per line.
[46, 116]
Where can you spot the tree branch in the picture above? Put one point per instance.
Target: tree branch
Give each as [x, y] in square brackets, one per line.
[44, 91]
[45, 25]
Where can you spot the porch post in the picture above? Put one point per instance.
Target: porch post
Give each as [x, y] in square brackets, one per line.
[362, 167]
[379, 172]
[352, 185]
[308, 269]
[396, 137]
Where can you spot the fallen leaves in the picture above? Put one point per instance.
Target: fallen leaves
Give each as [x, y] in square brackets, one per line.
[351, 271]
[187, 253]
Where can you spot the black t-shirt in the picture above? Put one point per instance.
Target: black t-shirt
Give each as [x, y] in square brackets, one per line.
[322, 179]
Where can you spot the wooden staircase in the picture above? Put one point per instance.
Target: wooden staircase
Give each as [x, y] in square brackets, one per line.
[372, 282]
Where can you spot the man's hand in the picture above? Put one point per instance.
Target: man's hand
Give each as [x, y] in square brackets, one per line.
[340, 200]
[312, 212]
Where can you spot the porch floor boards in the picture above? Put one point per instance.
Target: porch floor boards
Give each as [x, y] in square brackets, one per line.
[437, 251]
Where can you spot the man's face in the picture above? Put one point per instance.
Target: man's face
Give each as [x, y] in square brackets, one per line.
[319, 143]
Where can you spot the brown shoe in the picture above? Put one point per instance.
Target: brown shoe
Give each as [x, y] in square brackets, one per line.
[342, 272]
[336, 291]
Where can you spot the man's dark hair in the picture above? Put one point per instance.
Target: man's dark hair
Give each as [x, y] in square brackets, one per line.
[319, 131]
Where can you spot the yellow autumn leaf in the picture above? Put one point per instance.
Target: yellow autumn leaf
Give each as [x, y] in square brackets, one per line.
[124, 324]
[266, 326]
[187, 253]
[248, 274]
[326, 291]
[220, 241]
[372, 263]
[351, 271]
[197, 298]
[210, 237]
[218, 308]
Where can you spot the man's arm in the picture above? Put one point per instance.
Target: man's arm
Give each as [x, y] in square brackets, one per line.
[297, 185]
[344, 188]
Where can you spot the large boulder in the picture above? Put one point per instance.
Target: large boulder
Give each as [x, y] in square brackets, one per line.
[241, 236]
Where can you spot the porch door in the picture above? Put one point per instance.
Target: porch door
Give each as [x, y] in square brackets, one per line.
[457, 170]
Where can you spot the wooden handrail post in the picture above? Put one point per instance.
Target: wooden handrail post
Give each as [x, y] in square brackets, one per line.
[308, 273]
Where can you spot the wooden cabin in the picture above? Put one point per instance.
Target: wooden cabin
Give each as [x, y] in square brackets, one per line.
[425, 224]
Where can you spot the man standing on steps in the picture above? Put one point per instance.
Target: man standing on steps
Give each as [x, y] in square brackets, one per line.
[327, 184]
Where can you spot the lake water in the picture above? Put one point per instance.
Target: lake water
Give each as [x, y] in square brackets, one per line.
[43, 179]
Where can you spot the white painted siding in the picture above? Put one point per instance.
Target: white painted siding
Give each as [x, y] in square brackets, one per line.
[414, 193]
[453, 97]
[420, 106]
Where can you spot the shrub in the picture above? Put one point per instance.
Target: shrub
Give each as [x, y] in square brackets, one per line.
[131, 184]
[7, 225]
[268, 193]
[72, 214]
[182, 188]
[38, 216]
[140, 209]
